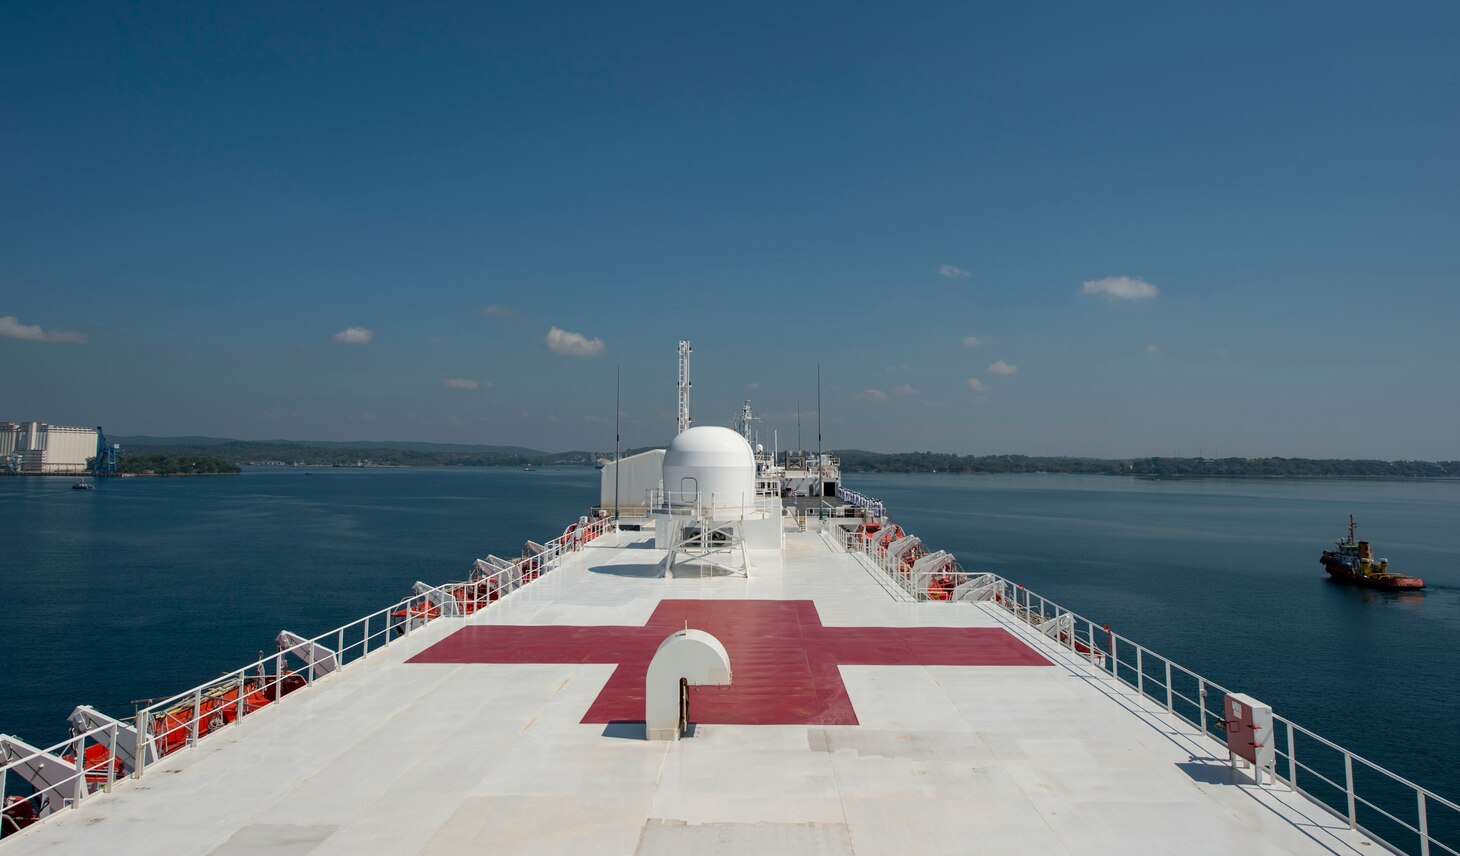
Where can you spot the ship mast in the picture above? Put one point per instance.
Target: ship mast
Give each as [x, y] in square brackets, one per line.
[743, 422]
[684, 384]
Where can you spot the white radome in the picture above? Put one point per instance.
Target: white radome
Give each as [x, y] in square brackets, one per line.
[709, 464]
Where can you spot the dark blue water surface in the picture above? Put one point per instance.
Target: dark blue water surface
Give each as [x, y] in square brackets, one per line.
[145, 587]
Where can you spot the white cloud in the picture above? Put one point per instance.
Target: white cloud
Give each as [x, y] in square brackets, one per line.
[461, 383]
[497, 310]
[977, 385]
[999, 367]
[572, 344]
[953, 272]
[871, 395]
[11, 328]
[905, 389]
[752, 386]
[1120, 288]
[354, 336]
[1153, 349]
[974, 341]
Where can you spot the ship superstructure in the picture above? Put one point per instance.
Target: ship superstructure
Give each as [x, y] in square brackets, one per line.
[714, 668]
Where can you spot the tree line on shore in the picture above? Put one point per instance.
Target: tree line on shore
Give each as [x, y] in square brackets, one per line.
[225, 456]
[857, 461]
[175, 465]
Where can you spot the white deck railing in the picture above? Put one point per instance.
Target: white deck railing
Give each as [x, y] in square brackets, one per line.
[1396, 812]
[181, 721]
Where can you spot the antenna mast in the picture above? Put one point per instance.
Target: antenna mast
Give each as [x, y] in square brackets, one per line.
[743, 422]
[684, 384]
[618, 412]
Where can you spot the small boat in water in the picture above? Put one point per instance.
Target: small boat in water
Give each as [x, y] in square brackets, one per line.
[1354, 562]
[83, 485]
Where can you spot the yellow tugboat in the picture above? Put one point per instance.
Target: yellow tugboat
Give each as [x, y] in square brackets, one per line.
[1353, 562]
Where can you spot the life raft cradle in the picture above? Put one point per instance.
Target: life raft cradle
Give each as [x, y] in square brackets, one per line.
[493, 577]
[55, 777]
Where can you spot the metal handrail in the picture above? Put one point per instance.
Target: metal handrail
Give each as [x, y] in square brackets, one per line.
[1035, 610]
[268, 674]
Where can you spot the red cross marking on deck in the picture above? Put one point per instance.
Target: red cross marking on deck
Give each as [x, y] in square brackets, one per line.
[783, 660]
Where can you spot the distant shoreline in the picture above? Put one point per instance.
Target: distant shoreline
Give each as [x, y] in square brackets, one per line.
[117, 476]
[217, 454]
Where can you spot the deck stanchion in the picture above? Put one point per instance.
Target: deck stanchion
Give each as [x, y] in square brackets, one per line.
[1201, 702]
[78, 791]
[197, 715]
[278, 676]
[140, 746]
[365, 640]
[1424, 824]
[1348, 781]
[238, 704]
[1169, 695]
[1110, 644]
[111, 766]
[1140, 671]
[1292, 759]
[340, 649]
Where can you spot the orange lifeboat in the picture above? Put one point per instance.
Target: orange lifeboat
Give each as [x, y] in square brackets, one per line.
[473, 596]
[94, 762]
[172, 728]
[17, 814]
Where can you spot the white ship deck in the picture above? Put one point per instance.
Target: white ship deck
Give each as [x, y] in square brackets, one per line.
[388, 756]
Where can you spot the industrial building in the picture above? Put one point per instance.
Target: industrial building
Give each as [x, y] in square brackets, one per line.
[38, 448]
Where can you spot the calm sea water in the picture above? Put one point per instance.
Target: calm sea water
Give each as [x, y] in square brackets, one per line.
[145, 587]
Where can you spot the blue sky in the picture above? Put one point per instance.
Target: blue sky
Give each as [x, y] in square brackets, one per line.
[199, 203]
